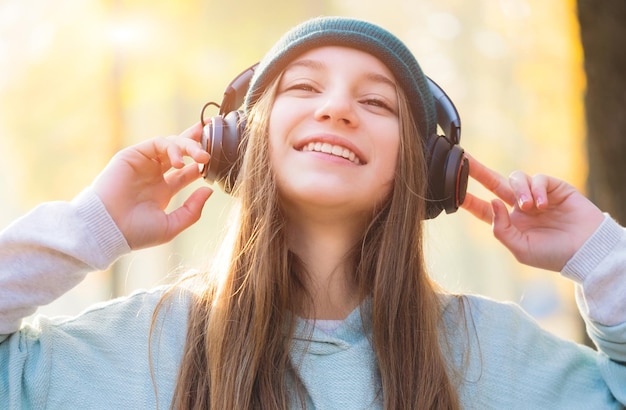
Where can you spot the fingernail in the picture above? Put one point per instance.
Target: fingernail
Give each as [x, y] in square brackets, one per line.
[522, 200]
[540, 202]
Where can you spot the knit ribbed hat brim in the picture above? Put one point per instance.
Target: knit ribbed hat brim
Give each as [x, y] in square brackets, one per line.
[360, 35]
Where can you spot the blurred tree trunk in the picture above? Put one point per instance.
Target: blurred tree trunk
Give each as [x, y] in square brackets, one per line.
[603, 35]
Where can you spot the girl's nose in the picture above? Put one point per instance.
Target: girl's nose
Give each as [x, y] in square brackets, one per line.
[337, 107]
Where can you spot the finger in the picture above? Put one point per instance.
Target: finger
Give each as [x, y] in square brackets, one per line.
[493, 181]
[188, 214]
[177, 179]
[479, 208]
[539, 189]
[175, 155]
[170, 151]
[180, 178]
[520, 183]
[159, 149]
[190, 148]
[195, 151]
[503, 230]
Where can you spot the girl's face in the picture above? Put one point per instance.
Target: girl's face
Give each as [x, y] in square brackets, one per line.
[334, 131]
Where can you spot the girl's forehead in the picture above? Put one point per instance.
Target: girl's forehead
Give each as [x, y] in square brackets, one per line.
[326, 57]
[336, 52]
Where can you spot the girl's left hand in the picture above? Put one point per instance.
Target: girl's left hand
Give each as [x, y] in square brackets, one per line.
[549, 219]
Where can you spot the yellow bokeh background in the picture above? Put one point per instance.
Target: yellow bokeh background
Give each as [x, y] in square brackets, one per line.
[79, 79]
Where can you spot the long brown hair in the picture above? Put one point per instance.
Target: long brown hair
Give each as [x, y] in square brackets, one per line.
[240, 327]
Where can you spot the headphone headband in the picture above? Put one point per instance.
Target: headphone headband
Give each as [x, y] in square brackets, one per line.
[448, 168]
[447, 115]
[235, 92]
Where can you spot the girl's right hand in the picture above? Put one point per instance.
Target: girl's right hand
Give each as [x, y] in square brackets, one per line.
[140, 181]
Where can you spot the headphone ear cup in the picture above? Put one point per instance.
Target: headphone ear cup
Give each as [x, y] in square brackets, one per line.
[231, 149]
[212, 143]
[221, 137]
[448, 173]
[456, 178]
[437, 149]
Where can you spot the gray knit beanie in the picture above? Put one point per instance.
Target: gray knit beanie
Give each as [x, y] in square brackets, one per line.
[358, 34]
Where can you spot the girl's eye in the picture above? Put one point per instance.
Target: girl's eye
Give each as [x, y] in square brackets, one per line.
[375, 102]
[301, 87]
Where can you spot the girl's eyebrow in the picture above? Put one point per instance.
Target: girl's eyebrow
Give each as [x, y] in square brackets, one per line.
[319, 66]
[380, 78]
[306, 63]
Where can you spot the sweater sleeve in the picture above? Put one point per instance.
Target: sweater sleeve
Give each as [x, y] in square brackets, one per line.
[50, 250]
[599, 268]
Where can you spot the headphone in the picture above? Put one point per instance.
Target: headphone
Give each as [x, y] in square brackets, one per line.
[448, 168]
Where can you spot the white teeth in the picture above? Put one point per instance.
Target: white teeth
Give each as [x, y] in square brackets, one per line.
[335, 150]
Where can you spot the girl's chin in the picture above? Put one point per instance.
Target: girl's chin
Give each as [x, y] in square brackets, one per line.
[317, 189]
[313, 198]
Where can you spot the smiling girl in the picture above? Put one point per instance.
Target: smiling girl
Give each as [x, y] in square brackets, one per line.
[323, 300]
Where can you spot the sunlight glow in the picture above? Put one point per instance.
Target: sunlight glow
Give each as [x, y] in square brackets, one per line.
[129, 33]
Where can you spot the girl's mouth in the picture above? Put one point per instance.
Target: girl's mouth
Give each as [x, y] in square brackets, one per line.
[331, 149]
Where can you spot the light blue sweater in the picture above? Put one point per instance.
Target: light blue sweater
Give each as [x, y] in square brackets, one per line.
[100, 359]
